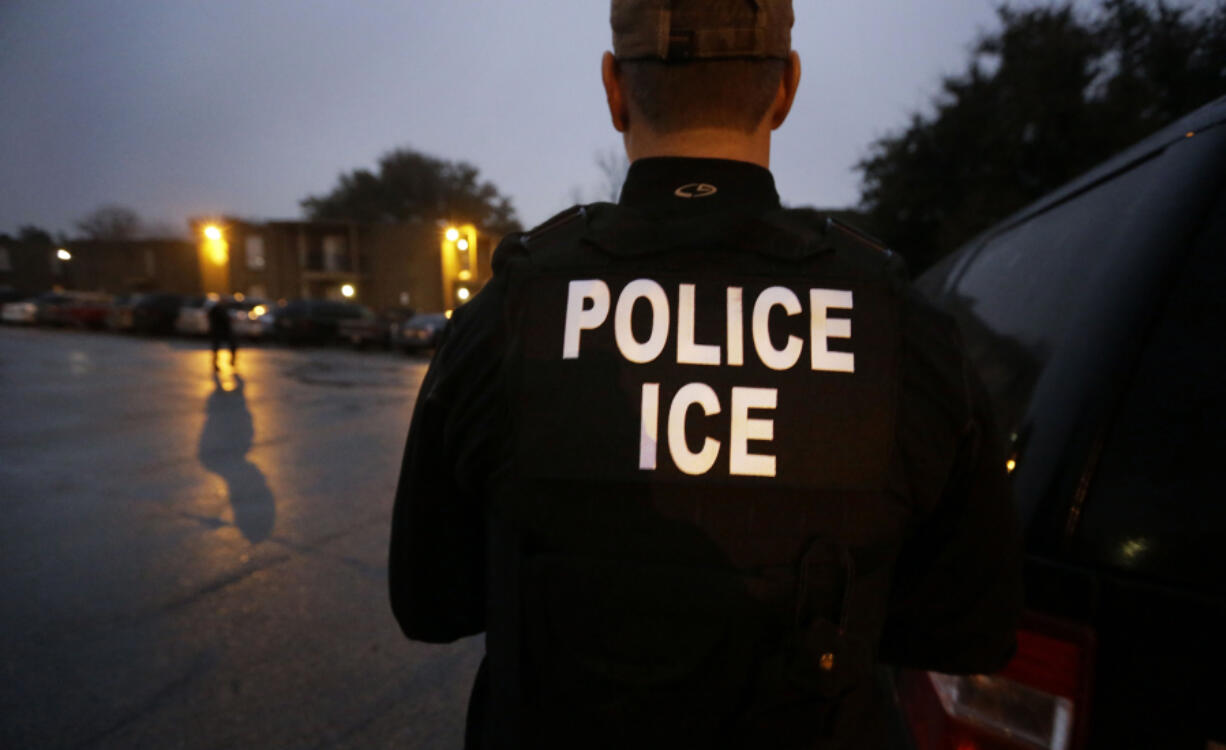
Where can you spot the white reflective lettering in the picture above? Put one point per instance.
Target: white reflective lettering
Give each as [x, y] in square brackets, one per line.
[741, 461]
[579, 317]
[789, 355]
[631, 349]
[689, 353]
[649, 426]
[823, 328]
[736, 323]
[702, 461]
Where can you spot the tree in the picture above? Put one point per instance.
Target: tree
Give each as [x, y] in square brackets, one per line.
[613, 165]
[34, 236]
[411, 186]
[110, 222]
[1046, 97]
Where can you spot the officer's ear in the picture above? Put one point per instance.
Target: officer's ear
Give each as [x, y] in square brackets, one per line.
[619, 111]
[787, 91]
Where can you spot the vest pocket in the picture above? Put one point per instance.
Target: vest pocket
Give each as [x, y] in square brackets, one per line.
[637, 650]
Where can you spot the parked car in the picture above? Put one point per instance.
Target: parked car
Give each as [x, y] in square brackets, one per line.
[53, 309]
[363, 330]
[156, 313]
[375, 329]
[240, 309]
[1095, 317]
[193, 318]
[85, 310]
[20, 312]
[258, 322]
[422, 331]
[119, 317]
[313, 320]
[43, 309]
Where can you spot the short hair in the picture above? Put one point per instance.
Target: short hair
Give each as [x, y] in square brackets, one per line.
[731, 94]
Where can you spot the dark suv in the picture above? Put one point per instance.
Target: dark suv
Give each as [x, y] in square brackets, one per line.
[156, 313]
[314, 321]
[1096, 319]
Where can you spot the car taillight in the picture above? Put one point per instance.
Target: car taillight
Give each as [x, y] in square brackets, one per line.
[1039, 700]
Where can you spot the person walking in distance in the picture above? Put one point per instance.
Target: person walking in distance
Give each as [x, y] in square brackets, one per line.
[696, 463]
[221, 331]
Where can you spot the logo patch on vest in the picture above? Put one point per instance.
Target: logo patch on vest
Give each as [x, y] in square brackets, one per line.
[696, 190]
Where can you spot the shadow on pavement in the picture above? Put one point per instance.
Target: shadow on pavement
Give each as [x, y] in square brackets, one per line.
[224, 442]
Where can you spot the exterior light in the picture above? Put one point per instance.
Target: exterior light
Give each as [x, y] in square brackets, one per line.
[63, 254]
[215, 248]
[1010, 465]
[347, 291]
[458, 261]
[238, 297]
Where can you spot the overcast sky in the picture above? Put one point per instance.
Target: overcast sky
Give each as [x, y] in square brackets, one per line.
[243, 107]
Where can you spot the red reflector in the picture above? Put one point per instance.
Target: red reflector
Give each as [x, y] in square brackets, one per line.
[1039, 700]
[1049, 664]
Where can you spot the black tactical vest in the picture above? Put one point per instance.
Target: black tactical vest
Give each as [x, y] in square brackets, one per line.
[693, 545]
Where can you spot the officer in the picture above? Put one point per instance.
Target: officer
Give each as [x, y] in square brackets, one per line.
[222, 332]
[693, 462]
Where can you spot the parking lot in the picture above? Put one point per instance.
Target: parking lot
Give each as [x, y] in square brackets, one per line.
[197, 559]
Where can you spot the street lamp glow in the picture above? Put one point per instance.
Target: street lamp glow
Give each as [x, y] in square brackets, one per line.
[463, 293]
[347, 291]
[212, 232]
[63, 254]
[453, 234]
[462, 245]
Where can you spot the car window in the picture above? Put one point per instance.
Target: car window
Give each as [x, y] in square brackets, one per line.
[341, 310]
[1155, 503]
[1050, 307]
[1032, 288]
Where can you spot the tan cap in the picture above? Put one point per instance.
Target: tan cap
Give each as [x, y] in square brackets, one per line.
[679, 30]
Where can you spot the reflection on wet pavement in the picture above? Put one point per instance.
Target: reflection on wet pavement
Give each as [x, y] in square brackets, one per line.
[196, 560]
[224, 442]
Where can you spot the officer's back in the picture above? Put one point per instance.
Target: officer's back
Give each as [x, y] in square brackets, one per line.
[693, 461]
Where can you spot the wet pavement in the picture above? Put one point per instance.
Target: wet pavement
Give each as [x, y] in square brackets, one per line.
[191, 560]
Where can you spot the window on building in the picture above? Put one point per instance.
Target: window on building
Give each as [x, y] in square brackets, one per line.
[6, 264]
[255, 252]
[334, 253]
